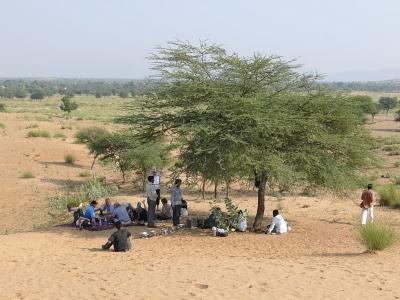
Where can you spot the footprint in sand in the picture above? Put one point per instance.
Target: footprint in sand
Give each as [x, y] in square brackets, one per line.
[200, 286]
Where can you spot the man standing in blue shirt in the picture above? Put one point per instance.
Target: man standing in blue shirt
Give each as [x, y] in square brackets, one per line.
[90, 212]
[176, 201]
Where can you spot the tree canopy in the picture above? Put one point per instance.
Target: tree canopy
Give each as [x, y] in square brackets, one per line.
[249, 117]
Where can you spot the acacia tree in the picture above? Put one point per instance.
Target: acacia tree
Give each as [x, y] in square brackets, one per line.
[387, 103]
[68, 105]
[274, 121]
[129, 155]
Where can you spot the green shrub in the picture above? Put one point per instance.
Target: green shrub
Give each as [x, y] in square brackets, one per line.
[89, 134]
[377, 236]
[397, 164]
[93, 189]
[28, 175]
[389, 195]
[69, 159]
[391, 140]
[392, 148]
[2, 107]
[2, 126]
[38, 133]
[60, 135]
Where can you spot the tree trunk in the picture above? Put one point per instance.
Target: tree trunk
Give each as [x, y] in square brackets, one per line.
[94, 160]
[216, 189]
[227, 188]
[261, 202]
[203, 188]
[144, 180]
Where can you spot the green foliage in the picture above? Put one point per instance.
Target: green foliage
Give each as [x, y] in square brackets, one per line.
[391, 140]
[129, 154]
[69, 159]
[38, 95]
[228, 219]
[397, 163]
[38, 133]
[366, 105]
[60, 135]
[388, 103]
[2, 126]
[28, 175]
[2, 107]
[377, 236]
[235, 117]
[389, 195]
[68, 105]
[392, 148]
[93, 189]
[90, 134]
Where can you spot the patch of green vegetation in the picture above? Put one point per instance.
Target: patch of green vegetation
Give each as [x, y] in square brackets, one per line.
[397, 163]
[377, 236]
[28, 175]
[93, 189]
[89, 134]
[38, 133]
[392, 148]
[69, 159]
[389, 195]
[90, 107]
[391, 140]
[2, 126]
[60, 135]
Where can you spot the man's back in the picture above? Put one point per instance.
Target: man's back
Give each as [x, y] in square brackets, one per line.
[120, 240]
[367, 198]
[121, 214]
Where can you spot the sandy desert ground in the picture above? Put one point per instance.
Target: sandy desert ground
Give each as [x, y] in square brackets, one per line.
[321, 258]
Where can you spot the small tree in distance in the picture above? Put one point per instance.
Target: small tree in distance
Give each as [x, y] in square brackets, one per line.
[388, 103]
[68, 105]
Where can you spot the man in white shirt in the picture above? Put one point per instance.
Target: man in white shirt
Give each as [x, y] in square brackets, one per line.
[151, 194]
[176, 201]
[278, 224]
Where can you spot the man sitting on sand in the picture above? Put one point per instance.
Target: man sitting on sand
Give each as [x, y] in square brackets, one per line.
[278, 224]
[367, 208]
[108, 207]
[90, 212]
[120, 239]
[121, 214]
[166, 210]
[140, 213]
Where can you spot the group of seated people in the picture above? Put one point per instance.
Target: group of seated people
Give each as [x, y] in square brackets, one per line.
[122, 212]
[278, 224]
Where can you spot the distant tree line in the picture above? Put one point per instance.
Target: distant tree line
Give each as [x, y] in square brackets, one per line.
[372, 86]
[39, 89]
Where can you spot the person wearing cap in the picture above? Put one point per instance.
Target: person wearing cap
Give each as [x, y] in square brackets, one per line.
[90, 212]
[120, 239]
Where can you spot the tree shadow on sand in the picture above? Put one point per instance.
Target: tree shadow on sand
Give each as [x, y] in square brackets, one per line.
[63, 164]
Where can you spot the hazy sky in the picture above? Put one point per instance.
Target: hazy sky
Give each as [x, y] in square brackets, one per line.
[111, 38]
